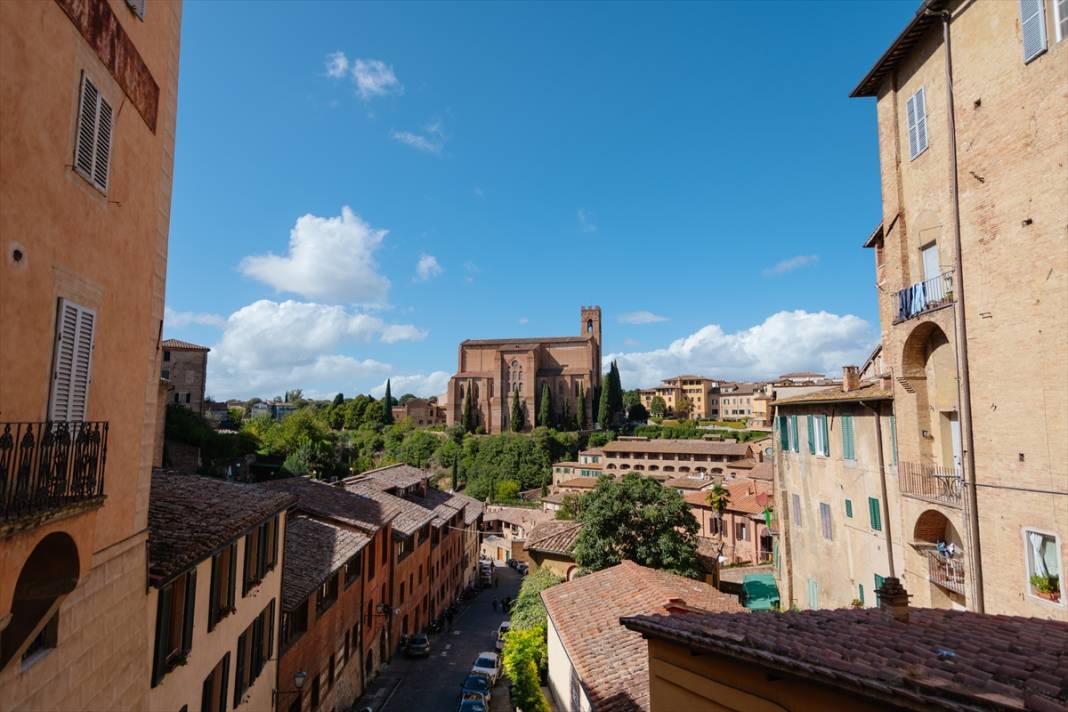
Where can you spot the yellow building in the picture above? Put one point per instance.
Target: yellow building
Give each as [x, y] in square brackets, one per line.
[692, 394]
[972, 276]
[87, 104]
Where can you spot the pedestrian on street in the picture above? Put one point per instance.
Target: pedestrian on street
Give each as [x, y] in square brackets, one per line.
[494, 604]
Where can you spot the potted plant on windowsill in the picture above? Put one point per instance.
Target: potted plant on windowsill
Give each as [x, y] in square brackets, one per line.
[1047, 587]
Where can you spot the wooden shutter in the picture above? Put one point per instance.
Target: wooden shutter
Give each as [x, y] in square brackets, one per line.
[784, 436]
[225, 682]
[1033, 28]
[270, 631]
[190, 609]
[847, 438]
[874, 514]
[72, 363]
[230, 595]
[213, 592]
[102, 155]
[162, 616]
[826, 450]
[239, 671]
[849, 508]
[893, 440]
[794, 444]
[811, 435]
[916, 115]
[138, 7]
[92, 146]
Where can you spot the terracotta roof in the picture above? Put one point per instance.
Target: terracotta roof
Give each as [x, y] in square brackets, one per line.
[592, 451]
[803, 374]
[555, 537]
[693, 447]
[580, 483]
[392, 476]
[611, 661]
[408, 517]
[332, 502]
[472, 507]
[521, 516]
[190, 517]
[747, 496]
[556, 497]
[939, 659]
[525, 340]
[442, 505]
[762, 471]
[314, 550]
[179, 345]
[566, 464]
[901, 48]
[866, 391]
[689, 484]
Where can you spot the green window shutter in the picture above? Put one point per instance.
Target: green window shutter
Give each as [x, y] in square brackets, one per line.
[849, 508]
[190, 609]
[878, 585]
[212, 592]
[860, 593]
[784, 434]
[893, 440]
[847, 438]
[811, 435]
[875, 514]
[793, 434]
[163, 605]
[826, 436]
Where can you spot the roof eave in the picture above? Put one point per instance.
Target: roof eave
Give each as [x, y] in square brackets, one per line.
[869, 85]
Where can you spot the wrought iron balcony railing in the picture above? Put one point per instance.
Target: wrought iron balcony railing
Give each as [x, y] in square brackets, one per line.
[48, 465]
[933, 483]
[924, 296]
[946, 571]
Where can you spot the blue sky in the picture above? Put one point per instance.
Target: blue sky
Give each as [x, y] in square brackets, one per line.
[358, 187]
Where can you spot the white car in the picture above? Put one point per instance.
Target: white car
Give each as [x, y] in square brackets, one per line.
[488, 665]
[504, 628]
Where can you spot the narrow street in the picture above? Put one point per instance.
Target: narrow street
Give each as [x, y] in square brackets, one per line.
[433, 684]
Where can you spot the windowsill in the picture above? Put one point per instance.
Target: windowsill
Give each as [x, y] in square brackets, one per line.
[32, 660]
[913, 158]
[1041, 600]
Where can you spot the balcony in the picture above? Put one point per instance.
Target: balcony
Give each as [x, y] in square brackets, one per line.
[924, 297]
[933, 483]
[946, 571]
[47, 466]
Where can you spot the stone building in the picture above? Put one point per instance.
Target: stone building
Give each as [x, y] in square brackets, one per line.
[698, 391]
[87, 104]
[491, 370]
[421, 411]
[671, 458]
[986, 321]
[185, 365]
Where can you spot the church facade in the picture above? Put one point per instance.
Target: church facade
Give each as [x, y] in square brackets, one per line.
[491, 370]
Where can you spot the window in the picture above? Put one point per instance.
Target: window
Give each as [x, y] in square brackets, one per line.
[849, 508]
[294, 623]
[385, 550]
[174, 624]
[352, 569]
[875, 514]
[138, 8]
[813, 594]
[370, 613]
[1033, 28]
[254, 648]
[187, 397]
[402, 593]
[1060, 18]
[165, 374]
[916, 111]
[327, 594]
[330, 673]
[72, 361]
[315, 693]
[1043, 565]
[371, 560]
[820, 437]
[932, 266]
[92, 145]
[848, 452]
[223, 576]
[42, 642]
[741, 531]
[878, 586]
[784, 433]
[825, 520]
[166, 355]
[860, 593]
[213, 693]
[795, 505]
[261, 552]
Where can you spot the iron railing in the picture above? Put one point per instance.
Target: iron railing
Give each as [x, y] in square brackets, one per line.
[946, 571]
[924, 296]
[933, 483]
[48, 465]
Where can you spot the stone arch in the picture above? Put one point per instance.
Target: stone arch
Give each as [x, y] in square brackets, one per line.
[929, 370]
[669, 468]
[932, 526]
[48, 575]
[571, 572]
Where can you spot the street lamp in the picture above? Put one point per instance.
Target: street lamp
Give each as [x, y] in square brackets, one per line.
[299, 678]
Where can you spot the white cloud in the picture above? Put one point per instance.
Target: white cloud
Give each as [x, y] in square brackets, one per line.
[785, 341]
[374, 78]
[420, 384]
[471, 269]
[181, 319]
[329, 258]
[524, 320]
[789, 265]
[270, 346]
[337, 65]
[641, 316]
[631, 342]
[427, 268]
[585, 220]
[432, 140]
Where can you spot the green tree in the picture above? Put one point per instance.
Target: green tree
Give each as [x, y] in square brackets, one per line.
[637, 518]
[615, 391]
[387, 406]
[524, 656]
[658, 407]
[604, 409]
[566, 421]
[405, 398]
[637, 413]
[580, 407]
[719, 498]
[683, 406]
[516, 419]
[338, 400]
[631, 398]
[545, 410]
[570, 507]
[295, 395]
[507, 491]
[468, 412]
[455, 475]
[528, 612]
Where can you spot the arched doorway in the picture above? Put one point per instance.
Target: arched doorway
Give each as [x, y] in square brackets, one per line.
[49, 574]
[940, 544]
[929, 371]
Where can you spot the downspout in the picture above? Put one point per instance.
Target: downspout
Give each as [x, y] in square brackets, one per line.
[780, 486]
[961, 334]
[876, 411]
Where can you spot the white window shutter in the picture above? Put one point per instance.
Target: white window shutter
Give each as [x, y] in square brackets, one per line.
[85, 146]
[1033, 28]
[73, 362]
[103, 145]
[921, 121]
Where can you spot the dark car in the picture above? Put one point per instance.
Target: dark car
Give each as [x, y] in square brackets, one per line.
[418, 646]
[473, 705]
[477, 684]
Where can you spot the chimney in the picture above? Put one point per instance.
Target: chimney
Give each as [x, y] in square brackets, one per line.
[850, 378]
[894, 599]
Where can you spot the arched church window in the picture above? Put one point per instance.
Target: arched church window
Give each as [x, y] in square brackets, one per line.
[589, 326]
[515, 376]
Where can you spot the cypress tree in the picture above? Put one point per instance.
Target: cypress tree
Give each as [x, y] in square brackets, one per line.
[387, 407]
[565, 420]
[517, 412]
[545, 410]
[581, 408]
[604, 410]
[615, 390]
[468, 415]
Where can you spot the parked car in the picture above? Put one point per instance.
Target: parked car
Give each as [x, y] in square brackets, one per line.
[488, 664]
[522, 568]
[501, 630]
[418, 646]
[473, 704]
[479, 685]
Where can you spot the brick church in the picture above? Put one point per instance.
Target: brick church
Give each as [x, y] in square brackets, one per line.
[491, 369]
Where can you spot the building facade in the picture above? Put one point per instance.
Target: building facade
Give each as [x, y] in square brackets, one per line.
[84, 218]
[697, 393]
[991, 171]
[490, 371]
[185, 365]
[422, 412]
[671, 457]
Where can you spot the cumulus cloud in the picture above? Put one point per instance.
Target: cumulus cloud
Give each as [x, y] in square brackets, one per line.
[372, 77]
[423, 385]
[337, 65]
[789, 265]
[585, 221]
[641, 316]
[181, 319]
[329, 258]
[270, 346]
[427, 268]
[785, 341]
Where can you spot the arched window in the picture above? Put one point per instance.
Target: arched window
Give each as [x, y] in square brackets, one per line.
[515, 377]
[589, 326]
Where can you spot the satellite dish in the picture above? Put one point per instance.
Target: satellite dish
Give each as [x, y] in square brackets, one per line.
[768, 452]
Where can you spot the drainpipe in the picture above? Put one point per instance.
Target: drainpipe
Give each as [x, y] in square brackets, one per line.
[876, 411]
[780, 486]
[961, 334]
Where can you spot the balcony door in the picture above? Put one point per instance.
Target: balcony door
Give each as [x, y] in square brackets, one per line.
[954, 436]
[931, 267]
